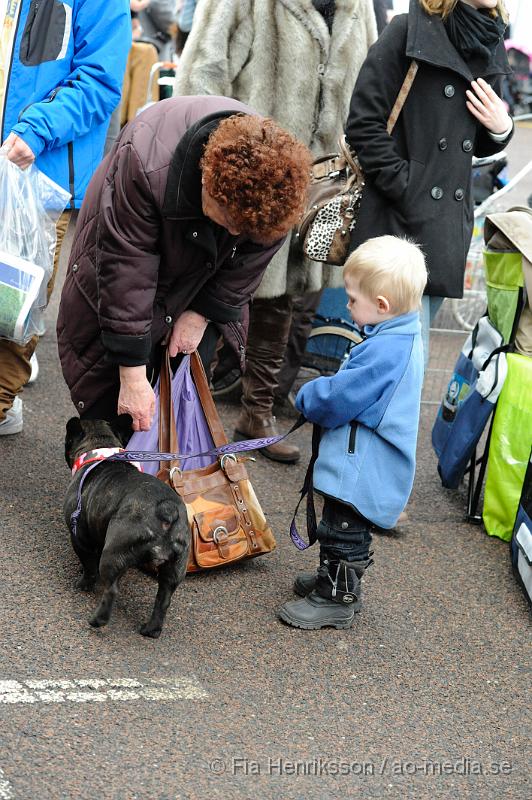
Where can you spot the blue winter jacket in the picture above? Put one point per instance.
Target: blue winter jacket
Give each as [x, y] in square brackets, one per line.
[369, 412]
[64, 81]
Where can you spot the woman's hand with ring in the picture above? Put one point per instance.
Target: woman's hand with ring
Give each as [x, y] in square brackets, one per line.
[187, 333]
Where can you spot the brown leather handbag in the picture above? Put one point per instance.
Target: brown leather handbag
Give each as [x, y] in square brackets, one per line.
[226, 520]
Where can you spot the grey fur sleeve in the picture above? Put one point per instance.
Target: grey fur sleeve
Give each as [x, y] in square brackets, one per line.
[207, 62]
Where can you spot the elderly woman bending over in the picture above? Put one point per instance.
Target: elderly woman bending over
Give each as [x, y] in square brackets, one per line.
[178, 225]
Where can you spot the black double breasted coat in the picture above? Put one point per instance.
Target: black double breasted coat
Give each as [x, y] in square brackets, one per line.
[418, 179]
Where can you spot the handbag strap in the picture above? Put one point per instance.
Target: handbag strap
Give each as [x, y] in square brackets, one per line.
[207, 403]
[345, 150]
[167, 427]
[401, 97]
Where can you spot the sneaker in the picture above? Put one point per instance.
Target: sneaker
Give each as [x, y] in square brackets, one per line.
[34, 369]
[13, 421]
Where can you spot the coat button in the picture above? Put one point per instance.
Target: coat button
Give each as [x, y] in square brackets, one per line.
[436, 192]
[467, 145]
[168, 320]
[75, 267]
[209, 264]
[195, 234]
[321, 69]
[449, 90]
[459, 194]
[81, 404]
[344, 526]
[442, 144]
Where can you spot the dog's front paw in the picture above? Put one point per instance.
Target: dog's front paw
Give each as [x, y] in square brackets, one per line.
[97, 621]
[152, 633]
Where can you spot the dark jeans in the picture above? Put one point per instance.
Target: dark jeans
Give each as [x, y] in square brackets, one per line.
[106, 407]
[343, 533]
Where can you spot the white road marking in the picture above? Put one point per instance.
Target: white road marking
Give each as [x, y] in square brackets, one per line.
[99, 690]
[6, 790]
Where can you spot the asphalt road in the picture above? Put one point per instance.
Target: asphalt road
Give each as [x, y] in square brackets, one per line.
[428, 696]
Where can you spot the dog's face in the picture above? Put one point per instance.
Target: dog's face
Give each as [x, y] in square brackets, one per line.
[82, 436]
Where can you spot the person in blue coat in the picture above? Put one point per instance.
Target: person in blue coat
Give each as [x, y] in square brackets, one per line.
[61, 71]
[368, 413]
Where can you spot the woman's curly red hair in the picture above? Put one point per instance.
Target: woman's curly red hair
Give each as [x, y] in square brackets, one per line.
[259, 172]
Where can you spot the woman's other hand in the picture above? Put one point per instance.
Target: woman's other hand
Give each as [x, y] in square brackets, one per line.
[486, 105]
[187, 333]
[136, 397]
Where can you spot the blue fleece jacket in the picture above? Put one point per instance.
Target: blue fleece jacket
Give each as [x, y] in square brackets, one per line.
[369, 412]
[64, 81]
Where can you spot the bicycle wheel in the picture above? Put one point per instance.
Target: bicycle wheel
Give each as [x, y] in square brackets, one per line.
[327, 347]
[472, 306]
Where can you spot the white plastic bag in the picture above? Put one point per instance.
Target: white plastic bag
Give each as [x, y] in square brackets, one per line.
[30, 205]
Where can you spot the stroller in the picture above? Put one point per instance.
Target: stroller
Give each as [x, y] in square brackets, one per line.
[493, 379]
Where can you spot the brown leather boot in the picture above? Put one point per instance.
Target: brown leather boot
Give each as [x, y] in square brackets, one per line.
[249, 427]
[269, 327]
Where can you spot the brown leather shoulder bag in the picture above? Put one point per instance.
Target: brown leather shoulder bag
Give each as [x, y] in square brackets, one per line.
[226, 521]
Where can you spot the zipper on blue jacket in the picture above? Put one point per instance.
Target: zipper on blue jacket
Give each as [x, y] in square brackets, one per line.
[71, 180]
[47, 100]
[71, 184]
[352, 437]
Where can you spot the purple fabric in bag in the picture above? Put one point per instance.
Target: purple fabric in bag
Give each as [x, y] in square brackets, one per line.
[193, 433]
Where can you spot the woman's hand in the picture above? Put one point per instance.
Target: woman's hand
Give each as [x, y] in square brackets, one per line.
[187, 333]
[486, 105]
[136, 397]
[138, 5]
[18, 151]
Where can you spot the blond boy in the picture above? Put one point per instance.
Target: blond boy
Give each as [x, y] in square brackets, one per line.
[368, 414]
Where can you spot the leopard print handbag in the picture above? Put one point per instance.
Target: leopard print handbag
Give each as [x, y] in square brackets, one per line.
[336, 188]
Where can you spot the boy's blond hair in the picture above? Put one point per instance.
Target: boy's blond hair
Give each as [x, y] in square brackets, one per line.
[391, 267]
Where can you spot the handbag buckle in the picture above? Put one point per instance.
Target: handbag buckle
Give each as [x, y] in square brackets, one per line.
[220, 535]
[230, 456]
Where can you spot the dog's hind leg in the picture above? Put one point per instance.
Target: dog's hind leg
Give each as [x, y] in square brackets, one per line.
[110, 573]
[169, 578]
[103, 612]
[90, 572]
[89, 559]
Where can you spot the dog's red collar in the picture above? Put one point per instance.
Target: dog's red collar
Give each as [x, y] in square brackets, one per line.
[100, 454]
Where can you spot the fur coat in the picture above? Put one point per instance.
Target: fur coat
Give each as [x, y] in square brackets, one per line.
[279, 57]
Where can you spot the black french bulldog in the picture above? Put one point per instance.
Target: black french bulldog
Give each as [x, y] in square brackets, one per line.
[128, 518]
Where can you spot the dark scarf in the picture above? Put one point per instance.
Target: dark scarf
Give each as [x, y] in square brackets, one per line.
[326, 9]
[474, 32]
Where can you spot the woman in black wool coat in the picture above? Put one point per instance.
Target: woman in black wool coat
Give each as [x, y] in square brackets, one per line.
[418, 179]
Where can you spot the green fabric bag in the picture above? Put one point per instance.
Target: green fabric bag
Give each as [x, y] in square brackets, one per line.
[504, 278]
[511, 438]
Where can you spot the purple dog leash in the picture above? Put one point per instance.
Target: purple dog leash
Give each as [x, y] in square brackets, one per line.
[223, 450]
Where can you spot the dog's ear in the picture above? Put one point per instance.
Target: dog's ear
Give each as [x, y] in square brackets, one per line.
[73, 429]
[123, 427]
